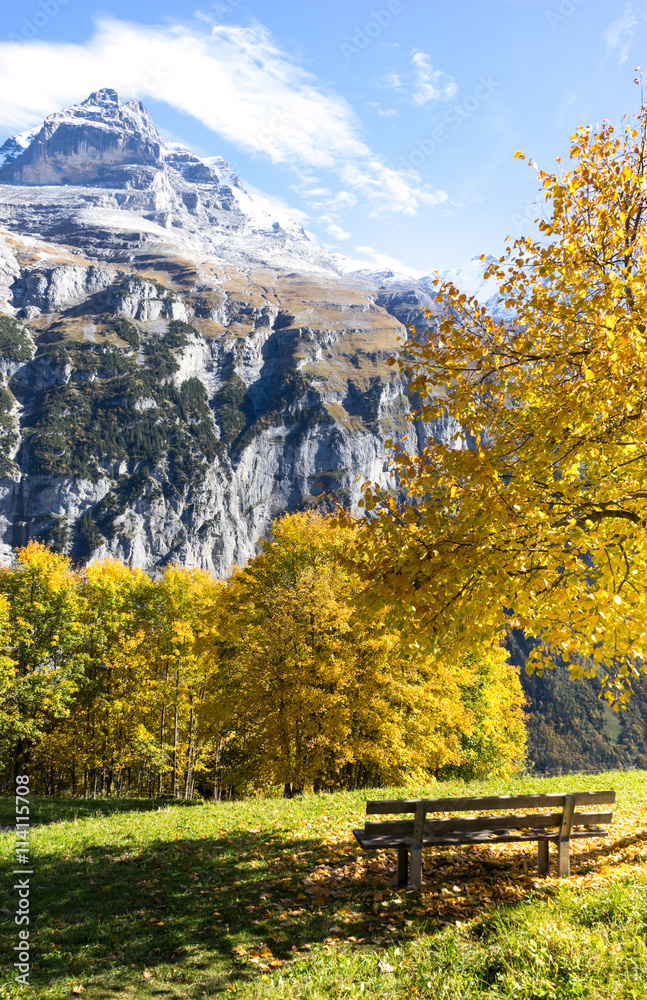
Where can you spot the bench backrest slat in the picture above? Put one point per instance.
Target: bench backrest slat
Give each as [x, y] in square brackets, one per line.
[464, 824]
[554, 801]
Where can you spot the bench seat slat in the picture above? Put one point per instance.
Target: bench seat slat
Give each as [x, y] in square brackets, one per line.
[372, 842]
[465, 823]
[426, 828]
[489, 802]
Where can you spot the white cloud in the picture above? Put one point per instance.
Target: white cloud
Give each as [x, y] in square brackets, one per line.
[422, 85]
[430, 84]
[388, 263]
[319, 198]
[379, 110]
[341, 201]
[333, 229]
[620, 34]
[389, 189]
[391, 81]
[315, 192]
[234, 79]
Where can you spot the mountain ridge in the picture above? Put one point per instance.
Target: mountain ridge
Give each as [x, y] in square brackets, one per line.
[180, 363]
[115, 152]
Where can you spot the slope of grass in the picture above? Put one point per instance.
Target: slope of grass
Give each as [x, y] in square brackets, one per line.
[271, 898]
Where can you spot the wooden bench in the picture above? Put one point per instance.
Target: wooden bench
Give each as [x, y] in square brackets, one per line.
[411, 835]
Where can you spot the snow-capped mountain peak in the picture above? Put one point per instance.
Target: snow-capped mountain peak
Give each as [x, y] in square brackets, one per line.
[17, 144]
[100, 167]
[86, 143]
[166, 319]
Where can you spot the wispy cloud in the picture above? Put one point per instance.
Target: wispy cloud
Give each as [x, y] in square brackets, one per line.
[377, 259]
[430, 84]
[376, 107]
[234, 79]
[620, 34]
[391, 81]
[422, 85]
[333, 229]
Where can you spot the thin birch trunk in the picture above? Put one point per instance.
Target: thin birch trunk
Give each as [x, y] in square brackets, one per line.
[177, 698]
[189, 752]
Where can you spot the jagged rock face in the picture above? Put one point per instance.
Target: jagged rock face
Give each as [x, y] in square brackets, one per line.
[97, 142]
[179, 367]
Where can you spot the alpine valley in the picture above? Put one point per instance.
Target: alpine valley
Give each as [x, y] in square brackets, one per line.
[181, 362]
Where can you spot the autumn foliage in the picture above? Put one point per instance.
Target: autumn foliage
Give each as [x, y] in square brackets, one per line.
[111, 682]
[534, 515]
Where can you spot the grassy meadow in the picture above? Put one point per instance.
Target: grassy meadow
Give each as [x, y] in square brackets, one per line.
[272, 898]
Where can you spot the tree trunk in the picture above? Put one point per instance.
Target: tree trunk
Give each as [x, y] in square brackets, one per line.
[216, 786]
[161, 773]
[162, 733]
[189, 752]
[177, 708]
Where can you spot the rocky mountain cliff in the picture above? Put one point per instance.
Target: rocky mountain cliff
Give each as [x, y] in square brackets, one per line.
[180, 362]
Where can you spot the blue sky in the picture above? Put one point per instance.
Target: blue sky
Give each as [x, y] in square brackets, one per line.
[388, 127]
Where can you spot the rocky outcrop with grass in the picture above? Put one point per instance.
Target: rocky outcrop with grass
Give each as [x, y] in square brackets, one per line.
[180, 363]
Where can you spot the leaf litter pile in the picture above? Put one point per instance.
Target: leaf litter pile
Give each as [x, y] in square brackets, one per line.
[218, 897]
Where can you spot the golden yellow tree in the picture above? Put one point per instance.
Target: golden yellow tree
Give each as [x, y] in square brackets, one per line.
[42, 636]
[285, 632]
[10, 721]
[321, 694]
[181, 619]
[107, 733]
[535, 514]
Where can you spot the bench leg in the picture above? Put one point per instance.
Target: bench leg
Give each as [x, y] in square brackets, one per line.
[403, 864]
[415, 879]
[542, 857]
[563, 860]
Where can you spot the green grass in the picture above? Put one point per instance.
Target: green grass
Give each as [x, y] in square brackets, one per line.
[144, 899]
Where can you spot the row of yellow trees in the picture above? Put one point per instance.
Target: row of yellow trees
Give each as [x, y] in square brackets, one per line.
[114, 683]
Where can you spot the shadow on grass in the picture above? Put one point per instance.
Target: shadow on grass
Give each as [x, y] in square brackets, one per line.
[187, 916]
[47, 810]
[173, 909]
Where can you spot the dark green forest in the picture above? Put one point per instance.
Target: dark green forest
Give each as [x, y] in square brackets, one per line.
[571, 729]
